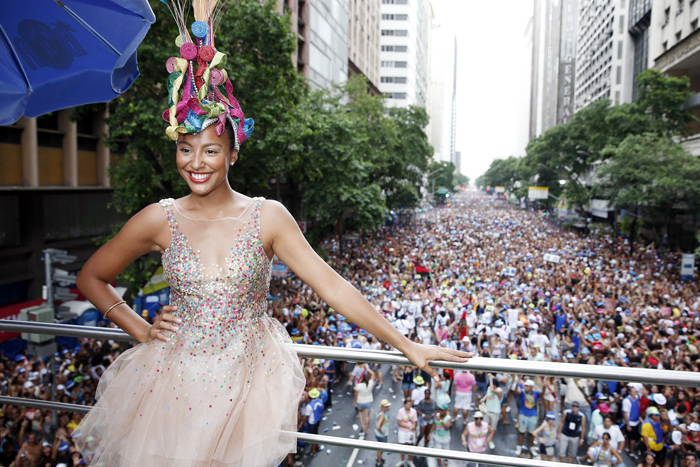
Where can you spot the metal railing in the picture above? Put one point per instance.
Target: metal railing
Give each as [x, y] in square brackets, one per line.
[497, 365]
[665, 377]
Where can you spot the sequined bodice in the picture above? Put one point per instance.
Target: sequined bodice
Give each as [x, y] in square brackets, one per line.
[215, 299]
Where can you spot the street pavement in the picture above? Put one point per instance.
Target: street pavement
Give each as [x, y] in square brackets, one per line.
[343, 421]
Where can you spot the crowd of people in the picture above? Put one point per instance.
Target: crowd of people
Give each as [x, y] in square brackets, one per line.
[479, 275]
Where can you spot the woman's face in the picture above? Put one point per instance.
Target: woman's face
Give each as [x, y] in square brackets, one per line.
[203, 160]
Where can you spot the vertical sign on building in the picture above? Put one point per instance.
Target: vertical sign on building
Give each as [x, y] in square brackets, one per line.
[567, 60]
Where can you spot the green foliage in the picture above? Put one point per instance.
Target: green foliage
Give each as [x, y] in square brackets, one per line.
[461, 179]
[662, 98]
[654, 172]
[332, 173]
[505, 173]
[441, 175]
[353, 159]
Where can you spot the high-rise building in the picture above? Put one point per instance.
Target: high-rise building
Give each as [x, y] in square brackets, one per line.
[442, 94]
[328, 42]
[322, 39]
[639, 29]
[553, 33]
[674, 47]
[363, 41]
[404, 52]
[605, 53]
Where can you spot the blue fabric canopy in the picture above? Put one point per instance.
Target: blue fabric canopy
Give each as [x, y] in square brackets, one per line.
[58, 54]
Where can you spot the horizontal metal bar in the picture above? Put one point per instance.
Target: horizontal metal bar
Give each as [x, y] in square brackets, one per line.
[495, 365]
[332, 440]
[58, 329]
[465, 456]
[41, 404]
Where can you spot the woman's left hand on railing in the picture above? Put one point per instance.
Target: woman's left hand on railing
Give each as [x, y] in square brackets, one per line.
[421, 355]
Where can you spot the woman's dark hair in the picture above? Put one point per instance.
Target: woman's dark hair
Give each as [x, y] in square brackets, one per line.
[231, 136]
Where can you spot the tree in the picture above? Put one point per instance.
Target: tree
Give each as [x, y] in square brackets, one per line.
[397, 147]
[333, 174]
[652, 172]
[461, 179]
[663, 99]
[503, 172]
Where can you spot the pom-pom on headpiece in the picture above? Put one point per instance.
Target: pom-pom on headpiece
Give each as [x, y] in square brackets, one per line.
[200, 92]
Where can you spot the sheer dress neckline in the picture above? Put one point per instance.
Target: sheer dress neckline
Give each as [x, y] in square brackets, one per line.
[252, 200]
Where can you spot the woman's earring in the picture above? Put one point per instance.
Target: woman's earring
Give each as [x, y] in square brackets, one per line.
[233, 163]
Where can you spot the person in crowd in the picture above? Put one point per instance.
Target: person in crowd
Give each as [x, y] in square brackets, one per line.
[652, 435]
[381, 428]
[597, 419]
[493, 403]
[443, 424]
[426, 409]
[463, 384]
[477, 435]
[407, 418]
[363, 398]
[572, 429]
[547, 434]
[604, 454]
[530, 401]
[617, 439]
[690, 460]
[632, 414]
[314, 413]
[648, 460]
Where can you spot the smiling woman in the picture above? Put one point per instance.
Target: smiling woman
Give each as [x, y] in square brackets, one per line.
[213, 382]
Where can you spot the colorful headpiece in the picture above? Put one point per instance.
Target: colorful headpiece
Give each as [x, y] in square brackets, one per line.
[200, 93]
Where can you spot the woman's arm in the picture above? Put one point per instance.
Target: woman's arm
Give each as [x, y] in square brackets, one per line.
[282, 236]
[145, 232]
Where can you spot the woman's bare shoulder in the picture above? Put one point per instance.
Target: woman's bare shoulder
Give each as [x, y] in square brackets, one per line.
[148, 225]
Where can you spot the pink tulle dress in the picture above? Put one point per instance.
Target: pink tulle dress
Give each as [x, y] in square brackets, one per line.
[222, 389]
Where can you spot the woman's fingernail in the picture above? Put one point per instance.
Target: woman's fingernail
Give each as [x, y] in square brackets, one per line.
[178, 320]
[175, 327]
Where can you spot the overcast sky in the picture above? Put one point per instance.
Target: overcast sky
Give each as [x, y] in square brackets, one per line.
[492, 77]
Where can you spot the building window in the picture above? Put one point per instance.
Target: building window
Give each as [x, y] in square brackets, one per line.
[667, 16]
[394, 48]
[394, 79]
[395, 95]
[394, 32]
[388, 16]
[395, 2]
[681, 4]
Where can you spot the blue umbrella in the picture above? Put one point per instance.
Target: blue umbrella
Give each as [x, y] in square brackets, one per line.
[56, 54]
